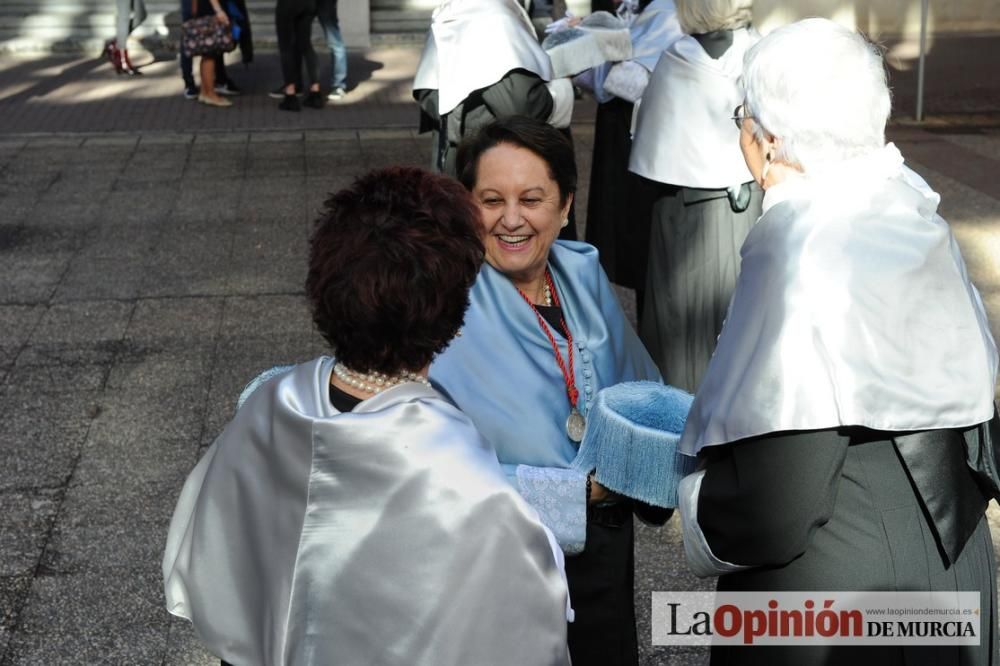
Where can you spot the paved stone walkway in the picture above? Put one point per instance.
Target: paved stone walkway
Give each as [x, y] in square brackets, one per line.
[147, 272]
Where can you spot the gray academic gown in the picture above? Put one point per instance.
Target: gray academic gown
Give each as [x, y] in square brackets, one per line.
[844, 510]
[386, 535]
[697, 227]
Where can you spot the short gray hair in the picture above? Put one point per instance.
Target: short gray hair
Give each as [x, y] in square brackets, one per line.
[700, 16]
[819, 87]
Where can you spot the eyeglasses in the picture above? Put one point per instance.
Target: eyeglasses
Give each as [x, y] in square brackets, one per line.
[739, 115]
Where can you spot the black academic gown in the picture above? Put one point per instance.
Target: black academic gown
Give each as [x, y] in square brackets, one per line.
[620, 204]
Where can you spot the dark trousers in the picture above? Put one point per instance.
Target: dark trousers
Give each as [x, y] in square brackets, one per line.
[293, 21]
[186, 61]
[600, 589]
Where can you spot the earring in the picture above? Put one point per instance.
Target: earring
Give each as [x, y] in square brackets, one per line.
[565, 222]
[766, 169]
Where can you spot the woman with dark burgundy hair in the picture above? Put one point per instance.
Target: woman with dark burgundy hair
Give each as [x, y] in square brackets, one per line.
[349, 514]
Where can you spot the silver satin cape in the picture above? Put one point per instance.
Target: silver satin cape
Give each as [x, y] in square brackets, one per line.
[853, 307]
[386, 535]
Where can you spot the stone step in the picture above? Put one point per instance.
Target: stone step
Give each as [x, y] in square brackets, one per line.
[401, 21]
[420, 6]
[83, 25]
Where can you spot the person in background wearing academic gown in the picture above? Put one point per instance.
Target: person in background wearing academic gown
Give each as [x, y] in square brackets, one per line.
[846, 423]
[544, 333]
[349, 514]
[619, 205]
[685, 140]
[482, 61]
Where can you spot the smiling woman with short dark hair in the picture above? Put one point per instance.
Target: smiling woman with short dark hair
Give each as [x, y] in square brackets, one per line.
[543, 334]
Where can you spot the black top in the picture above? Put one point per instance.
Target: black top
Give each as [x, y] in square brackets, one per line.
[343, 401]
[715, 43]
[553, 317]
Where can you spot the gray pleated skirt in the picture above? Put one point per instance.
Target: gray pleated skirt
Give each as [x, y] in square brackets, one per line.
[694, 258]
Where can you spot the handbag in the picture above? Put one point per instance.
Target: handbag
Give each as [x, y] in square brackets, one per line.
[204, 35]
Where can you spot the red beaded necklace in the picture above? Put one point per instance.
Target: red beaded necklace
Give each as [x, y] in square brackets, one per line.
[575, 423]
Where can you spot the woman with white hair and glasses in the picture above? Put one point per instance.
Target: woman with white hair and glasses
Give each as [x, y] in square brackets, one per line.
[846, 422]
[705, 198]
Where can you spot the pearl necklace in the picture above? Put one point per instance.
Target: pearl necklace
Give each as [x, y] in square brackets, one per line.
[547, 295]
[375, 382]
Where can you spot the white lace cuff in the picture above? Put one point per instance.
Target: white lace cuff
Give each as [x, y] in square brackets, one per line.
[560, 498]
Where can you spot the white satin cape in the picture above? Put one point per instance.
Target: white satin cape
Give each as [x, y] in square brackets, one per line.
[387, 535]
[652, 31]
[473, 44]
[684, 134]
[853, 307]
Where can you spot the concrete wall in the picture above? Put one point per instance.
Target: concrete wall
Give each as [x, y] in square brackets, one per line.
[875, 17]
[885, 17]
[355, 22]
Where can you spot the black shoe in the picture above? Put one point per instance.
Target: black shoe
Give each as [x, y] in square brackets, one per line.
[290, 103]
[191, 92]
[314, 99]
[279, 93]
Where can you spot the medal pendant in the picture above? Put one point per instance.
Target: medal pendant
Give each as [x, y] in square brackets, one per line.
[575, 425]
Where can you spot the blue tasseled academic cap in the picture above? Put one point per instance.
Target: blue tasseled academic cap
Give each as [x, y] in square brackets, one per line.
[631, 441]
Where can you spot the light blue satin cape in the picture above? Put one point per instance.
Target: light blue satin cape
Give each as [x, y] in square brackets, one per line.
[503, 374]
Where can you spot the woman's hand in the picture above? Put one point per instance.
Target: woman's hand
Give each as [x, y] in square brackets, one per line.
[599, 493]
[220, 15]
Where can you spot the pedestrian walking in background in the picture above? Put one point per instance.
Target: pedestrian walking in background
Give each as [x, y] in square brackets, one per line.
[207, 93]
[240, 19]
[326, 10]
[293, 21]
[128, 15]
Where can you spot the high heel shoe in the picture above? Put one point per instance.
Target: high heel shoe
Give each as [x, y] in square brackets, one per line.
[113, 54]
[109, 46]
[127, 66]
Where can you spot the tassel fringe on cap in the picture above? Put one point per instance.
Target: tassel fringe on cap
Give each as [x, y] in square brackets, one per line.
[631, 441]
